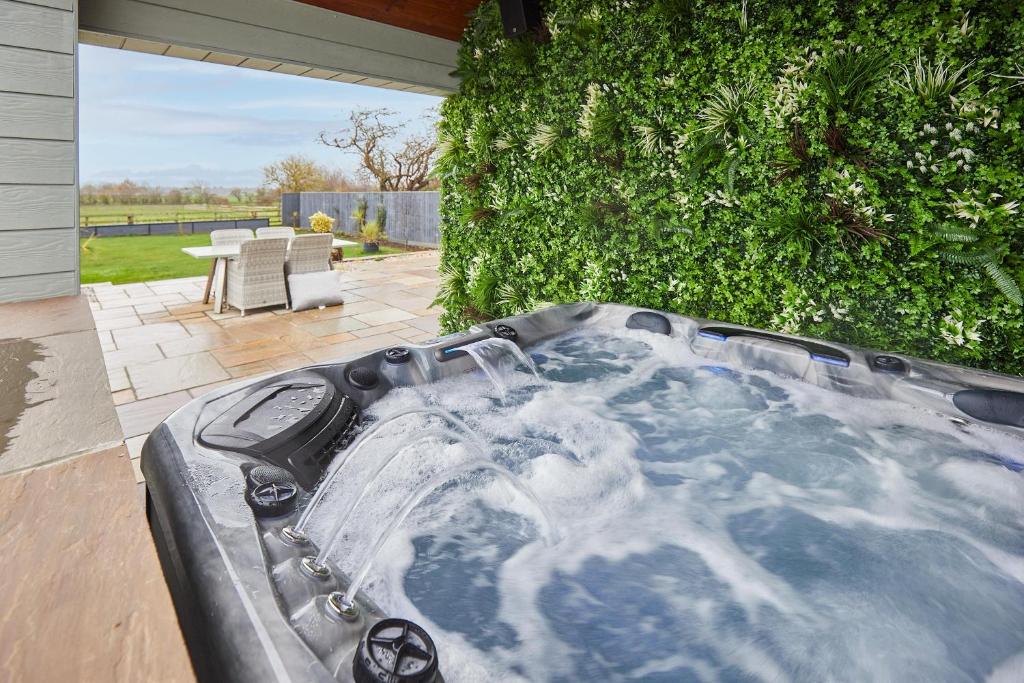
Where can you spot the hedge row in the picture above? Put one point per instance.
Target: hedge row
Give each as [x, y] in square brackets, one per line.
[839, 169]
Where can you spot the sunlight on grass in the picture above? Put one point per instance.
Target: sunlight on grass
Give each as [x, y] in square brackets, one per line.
[158, 257]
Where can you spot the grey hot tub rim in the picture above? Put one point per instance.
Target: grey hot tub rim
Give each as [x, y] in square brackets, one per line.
[218, 557]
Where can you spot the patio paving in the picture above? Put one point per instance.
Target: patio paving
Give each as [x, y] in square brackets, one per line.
[163, 347]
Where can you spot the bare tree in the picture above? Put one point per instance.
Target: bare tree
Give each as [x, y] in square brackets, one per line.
[338, 181]
[393, 164]
[200, 192]
[295, 173]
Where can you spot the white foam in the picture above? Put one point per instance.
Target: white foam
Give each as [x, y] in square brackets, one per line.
[646, 452]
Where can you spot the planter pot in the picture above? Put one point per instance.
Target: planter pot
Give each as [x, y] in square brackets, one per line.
[370, 247]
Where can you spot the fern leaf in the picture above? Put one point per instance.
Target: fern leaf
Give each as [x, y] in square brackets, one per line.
[1003, 281]
[954, 233]
[964, 258]
[730, 175]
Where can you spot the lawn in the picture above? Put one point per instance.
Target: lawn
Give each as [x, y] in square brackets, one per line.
[158, 257]
[113, 214]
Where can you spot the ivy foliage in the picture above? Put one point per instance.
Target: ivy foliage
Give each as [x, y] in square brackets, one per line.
[843, 169]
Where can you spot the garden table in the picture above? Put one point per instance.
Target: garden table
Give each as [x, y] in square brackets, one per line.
[219, 256]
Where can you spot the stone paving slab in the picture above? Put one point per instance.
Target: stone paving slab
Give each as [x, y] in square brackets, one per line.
[54, 399]
[84, 598]
[163, 346]
[173, 374]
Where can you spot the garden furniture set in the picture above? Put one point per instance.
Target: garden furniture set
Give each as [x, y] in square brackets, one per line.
[252, 271]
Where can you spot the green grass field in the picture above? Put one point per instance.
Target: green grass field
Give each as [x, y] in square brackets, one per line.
[158, 257]
[113, 214]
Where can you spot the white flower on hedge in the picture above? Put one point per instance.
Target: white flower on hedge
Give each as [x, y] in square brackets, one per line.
[685, 204]
[502, 143]
[586, 118]
[499, 199]
[955, 331]
[551, 21]
[721, 198]
[966, 154]
[541, 140]
[783, 109]
[990, 117]
[592, 286]
[839, 311]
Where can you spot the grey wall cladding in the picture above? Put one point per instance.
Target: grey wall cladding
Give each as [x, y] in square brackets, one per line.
[413, 217]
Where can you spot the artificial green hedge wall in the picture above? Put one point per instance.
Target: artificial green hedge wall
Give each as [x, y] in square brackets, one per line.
[838, 169]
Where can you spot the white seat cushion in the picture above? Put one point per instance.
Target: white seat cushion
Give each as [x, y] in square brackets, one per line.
[312, 290]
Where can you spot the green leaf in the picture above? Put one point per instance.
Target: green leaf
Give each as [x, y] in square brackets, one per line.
[1003, 281]
[955, 233]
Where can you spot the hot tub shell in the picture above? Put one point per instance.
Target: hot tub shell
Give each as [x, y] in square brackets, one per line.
[219, 559]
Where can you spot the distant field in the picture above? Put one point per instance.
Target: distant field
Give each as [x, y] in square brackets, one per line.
[158, 257]
[114, 214]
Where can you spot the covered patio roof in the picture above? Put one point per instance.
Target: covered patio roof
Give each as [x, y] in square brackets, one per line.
[403, 44]
[441, 18]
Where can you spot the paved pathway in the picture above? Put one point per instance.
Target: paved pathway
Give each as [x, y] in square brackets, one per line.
[163, 346]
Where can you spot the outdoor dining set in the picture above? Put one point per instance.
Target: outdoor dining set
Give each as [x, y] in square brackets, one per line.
[256, 270]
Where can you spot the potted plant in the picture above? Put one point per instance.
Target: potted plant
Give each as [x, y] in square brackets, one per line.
[321, 222]
[372, 233]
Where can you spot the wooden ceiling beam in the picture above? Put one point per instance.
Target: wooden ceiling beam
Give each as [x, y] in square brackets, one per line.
[441, 18]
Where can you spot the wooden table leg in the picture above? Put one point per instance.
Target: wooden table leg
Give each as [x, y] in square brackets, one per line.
[209, 281]
[220, 281]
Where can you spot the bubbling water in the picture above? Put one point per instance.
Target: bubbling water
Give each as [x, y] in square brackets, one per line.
[715, 524]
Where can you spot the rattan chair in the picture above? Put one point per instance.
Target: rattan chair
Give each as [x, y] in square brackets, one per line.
[256, 277]
[223, 238]
[309, 254]
[272, 233]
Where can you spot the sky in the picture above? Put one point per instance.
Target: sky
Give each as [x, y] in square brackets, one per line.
[169, 122]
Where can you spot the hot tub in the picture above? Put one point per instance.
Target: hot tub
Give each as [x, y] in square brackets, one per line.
[603, 492]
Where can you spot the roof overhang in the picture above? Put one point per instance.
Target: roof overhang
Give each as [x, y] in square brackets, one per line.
[282, 36]
[442, 18]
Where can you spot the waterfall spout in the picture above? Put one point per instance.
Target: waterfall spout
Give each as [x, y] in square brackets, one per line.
[549, 532]
[352, 501]
[361, 441]
[489, 354]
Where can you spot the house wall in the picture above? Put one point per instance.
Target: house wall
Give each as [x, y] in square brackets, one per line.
[38, 149]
